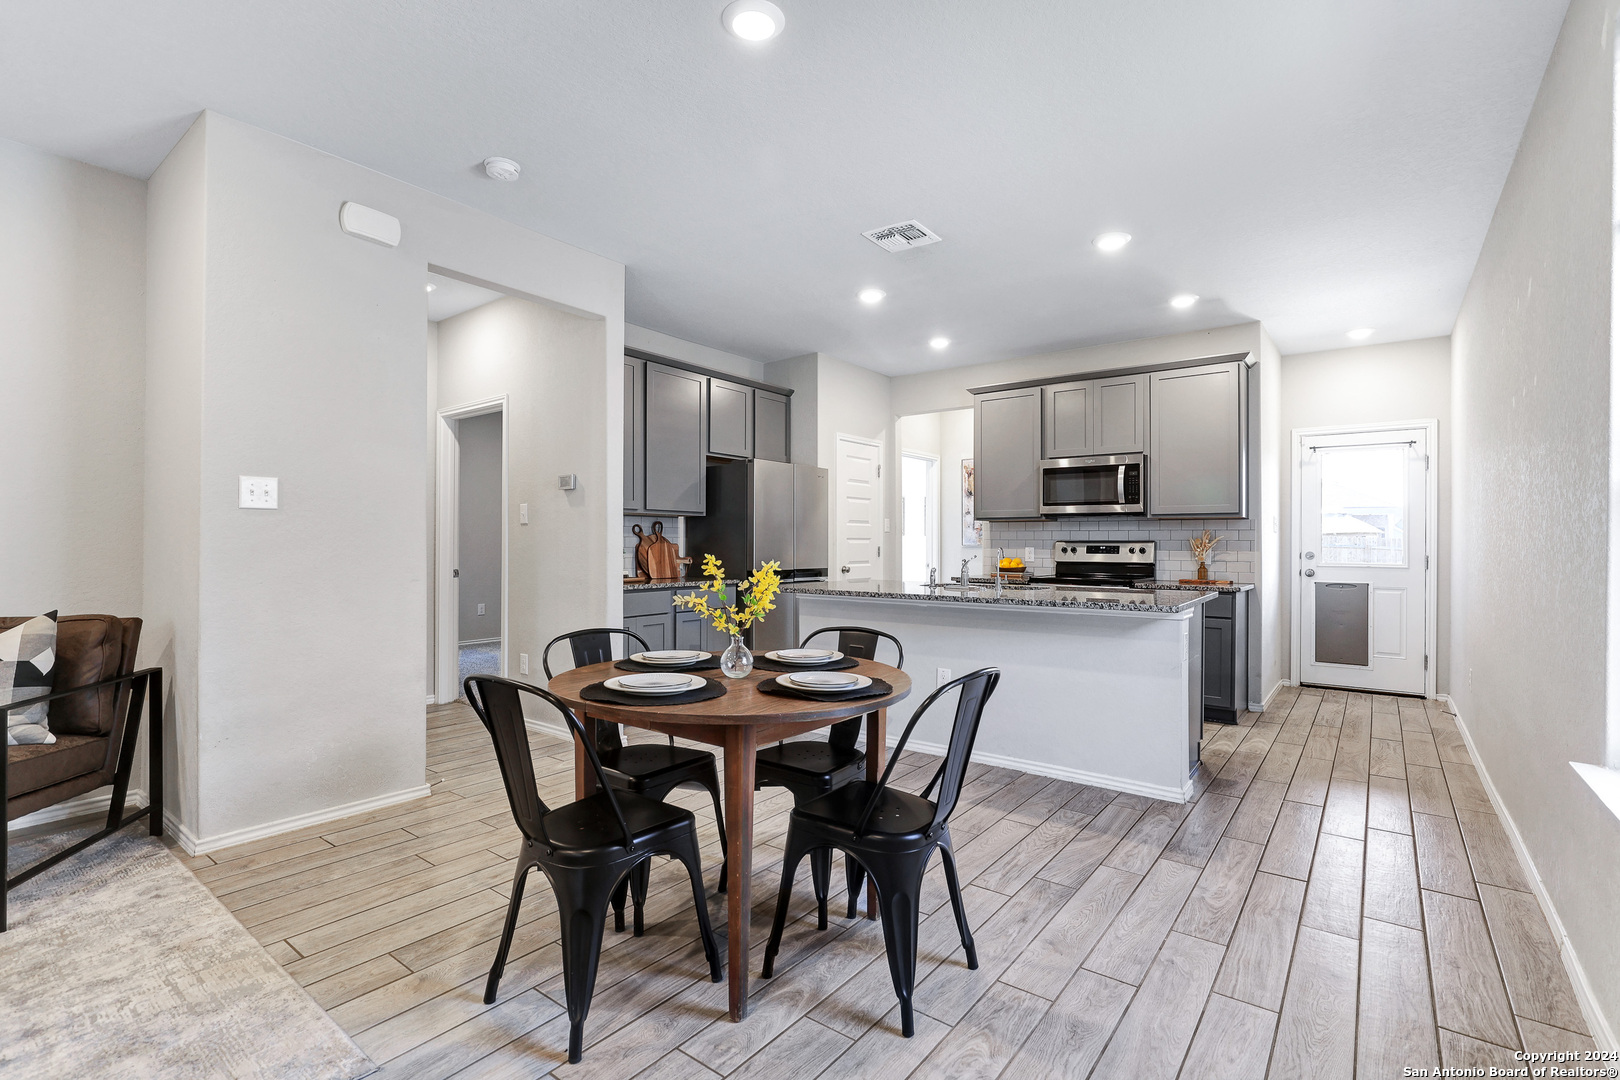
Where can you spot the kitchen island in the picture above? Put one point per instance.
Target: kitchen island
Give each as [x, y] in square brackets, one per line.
[1101, 686]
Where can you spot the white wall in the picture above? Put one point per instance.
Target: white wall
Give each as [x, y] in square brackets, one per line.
[478, 546]
[541, 359]
[280, 346]
[1368, 384]
[1533, 649]
[73, 307]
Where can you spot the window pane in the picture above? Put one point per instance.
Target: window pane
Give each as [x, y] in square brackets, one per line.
[1364, 505]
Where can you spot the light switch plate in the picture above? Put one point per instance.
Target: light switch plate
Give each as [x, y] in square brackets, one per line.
[256, 492]
[523, 663]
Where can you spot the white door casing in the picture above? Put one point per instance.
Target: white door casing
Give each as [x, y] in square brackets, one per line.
[1365, 502]
[858, 508]
[919, 515]
[447, 532]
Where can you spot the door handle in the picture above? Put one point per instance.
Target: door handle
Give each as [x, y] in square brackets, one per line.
[843, 569]
[1119, 492]
[1310, 573]
[455, 573]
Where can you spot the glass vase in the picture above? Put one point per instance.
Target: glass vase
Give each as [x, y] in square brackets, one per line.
[736, 662]
[1203, 571]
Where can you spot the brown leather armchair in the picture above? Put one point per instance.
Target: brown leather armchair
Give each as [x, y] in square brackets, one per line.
[95, 701]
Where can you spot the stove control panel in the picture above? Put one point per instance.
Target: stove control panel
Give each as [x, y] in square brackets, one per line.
[1114, 551]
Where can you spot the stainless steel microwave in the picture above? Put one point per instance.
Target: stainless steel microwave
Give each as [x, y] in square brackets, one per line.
[1105, 484]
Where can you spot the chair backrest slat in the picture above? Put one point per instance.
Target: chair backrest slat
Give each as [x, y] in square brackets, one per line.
[594, 646]
[861, 642]
[974, 693]
[498, 703]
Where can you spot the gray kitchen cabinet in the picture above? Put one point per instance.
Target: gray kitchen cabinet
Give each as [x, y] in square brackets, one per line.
[1198, 434]
[731, 419]
[1099, 416]
[772, 431]
[688, 630]
[676, 440]
[1066, 422]
[635, 427]
[1119, 415]
[657, 630]
[1007, 453]
[1226, 657]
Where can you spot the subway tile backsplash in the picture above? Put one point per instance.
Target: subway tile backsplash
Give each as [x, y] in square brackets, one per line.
[1233, 558]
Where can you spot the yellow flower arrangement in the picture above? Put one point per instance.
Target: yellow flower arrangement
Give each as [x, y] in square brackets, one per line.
[756, 596]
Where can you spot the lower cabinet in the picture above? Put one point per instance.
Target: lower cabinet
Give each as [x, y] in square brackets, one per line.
[1226, 657]
[652, 614]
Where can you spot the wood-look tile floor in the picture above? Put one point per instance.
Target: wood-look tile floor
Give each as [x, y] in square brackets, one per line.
[1339, 901]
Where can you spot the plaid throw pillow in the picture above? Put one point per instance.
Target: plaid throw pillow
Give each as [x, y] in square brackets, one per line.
[27, 655]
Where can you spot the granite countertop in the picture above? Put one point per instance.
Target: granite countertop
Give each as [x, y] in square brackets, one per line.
[1173, 585]
[1127, 601]
[679, 583]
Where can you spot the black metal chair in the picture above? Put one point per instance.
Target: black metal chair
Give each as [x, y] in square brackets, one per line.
[813, 767]
[585, 848]
[646, 768]
[890, 834]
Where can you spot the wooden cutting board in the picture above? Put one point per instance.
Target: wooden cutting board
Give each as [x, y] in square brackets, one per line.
[644, 545]
[664, 562]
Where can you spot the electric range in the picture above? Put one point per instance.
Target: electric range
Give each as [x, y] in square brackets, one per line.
[1115, 564]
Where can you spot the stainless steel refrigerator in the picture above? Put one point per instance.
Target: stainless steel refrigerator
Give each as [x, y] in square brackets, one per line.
[758, 511]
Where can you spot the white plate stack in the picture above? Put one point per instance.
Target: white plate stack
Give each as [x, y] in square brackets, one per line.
[672, 658]
[808, 657]
[824, 682]
[655, 683]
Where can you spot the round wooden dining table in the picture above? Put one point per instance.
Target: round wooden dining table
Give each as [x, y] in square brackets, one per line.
[739, 722]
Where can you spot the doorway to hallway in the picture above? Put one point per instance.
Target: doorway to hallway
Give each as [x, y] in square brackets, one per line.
[470, 627]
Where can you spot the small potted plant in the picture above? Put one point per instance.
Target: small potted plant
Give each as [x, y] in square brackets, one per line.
[755, 597]
[1201, 547]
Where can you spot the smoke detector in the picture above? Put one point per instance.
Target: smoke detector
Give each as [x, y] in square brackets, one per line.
[500, 168]
[907, 234]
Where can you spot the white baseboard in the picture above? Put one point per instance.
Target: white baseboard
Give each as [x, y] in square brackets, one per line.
[1057, 772]
[195, 845]
[1602, 1033]
[1266, 704]
[433, 699]
[89, 805]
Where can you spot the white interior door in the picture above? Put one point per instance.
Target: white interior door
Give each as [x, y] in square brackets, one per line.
[1364, 541]
[859, 509]
[919, 517]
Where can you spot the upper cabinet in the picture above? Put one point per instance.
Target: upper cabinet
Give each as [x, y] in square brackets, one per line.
[1098, 416]
[1121, 415]
[772, 435]
[677, 434]
[1198, 461]
[731, 419]
[677, 418]
[1006, 454]
[635, 429]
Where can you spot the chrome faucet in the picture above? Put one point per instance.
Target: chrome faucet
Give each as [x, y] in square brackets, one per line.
[933, 578]
[964, 578]
[1000, 557]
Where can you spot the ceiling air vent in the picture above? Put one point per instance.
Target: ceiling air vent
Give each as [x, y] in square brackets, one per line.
[907, 234]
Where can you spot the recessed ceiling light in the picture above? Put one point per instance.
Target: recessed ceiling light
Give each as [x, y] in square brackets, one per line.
[753, 20]
[431, 286]
[1185, 300]
[1362, 334]
[938, 342]
[500, 168]
[1112, 241]
[872, 296]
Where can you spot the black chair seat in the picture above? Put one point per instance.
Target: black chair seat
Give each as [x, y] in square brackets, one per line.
[589, 825]
[809, 758]
[650, 761]
[897, 815]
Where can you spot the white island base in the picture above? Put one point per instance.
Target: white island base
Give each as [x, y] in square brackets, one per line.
[1108, 698]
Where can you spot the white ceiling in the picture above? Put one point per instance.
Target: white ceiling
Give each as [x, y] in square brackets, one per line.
[1316, 165]
[452, 297]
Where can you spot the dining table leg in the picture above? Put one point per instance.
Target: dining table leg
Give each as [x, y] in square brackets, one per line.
[877, 745]
[740, 856]
[584, 776]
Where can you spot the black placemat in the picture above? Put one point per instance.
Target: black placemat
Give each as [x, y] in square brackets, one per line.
[711, 688]
[765, 663]
[711, 664]
[879, 688]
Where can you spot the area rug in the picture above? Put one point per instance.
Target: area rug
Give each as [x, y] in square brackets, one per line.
[482, 659]
[120, 963]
